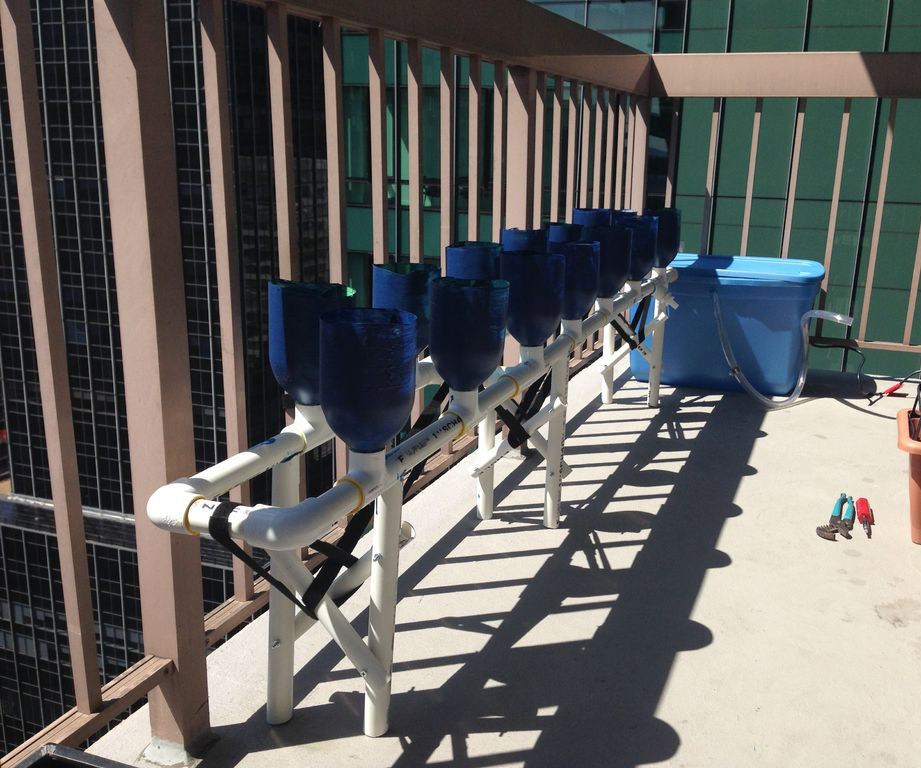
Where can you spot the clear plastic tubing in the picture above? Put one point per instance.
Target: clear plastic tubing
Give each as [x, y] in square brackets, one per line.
[736, 371]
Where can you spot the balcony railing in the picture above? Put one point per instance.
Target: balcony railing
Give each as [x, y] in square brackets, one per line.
[611, 86]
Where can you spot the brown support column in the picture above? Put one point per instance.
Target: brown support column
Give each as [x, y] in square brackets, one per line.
[377, 81]
[276, 19]
[446, 145]
[540, 106]
[50, 346]
[672, 154]
[599, 149]
[335, 149]
[794, 173]
[143, 201]
[572, 108]
[877, 219]
[520, 162]
[750, 184]
[474, 99]
[622, 114]
[556, 139]
[414, 112]
[498, 149]
[711, 177]
[630, 129]
[640, 151]
[226, 251]
[586, 124]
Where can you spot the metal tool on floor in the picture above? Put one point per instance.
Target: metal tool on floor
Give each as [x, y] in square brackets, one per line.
[865, 516]
[846, 523]
[829, 531]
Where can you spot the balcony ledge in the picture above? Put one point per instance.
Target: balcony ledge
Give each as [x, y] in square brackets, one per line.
[685, 612]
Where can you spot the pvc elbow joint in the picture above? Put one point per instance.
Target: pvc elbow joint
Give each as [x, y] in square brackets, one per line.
[168, 506]
[466, 406]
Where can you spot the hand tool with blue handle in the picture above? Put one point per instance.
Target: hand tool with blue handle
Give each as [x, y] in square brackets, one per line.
[829, 531]
[846, 523]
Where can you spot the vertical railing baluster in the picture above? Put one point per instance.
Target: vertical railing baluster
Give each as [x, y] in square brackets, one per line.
[446, 145]
[711, 177]
[135, 103]
[377, 83]
[498, 149]
[414, 138]
[835, 196]
[571, 141]
[585, 144]
[750, 183]
[622, 119]
[599, 148]
[877, 219]
[226, 252]
[540, 106]
[520, 161]
[610, 152]
[672, 153]
[474, 99]
[335, 150]
[791, 179]
[631, 145]
[640, 151]
[556, 139]
[50, 346]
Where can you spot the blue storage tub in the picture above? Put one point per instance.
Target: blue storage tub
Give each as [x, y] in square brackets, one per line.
[762, 302]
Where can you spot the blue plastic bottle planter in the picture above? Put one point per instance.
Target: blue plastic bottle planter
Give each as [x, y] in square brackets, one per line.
[367, 374]
[468, 329]
[472, 260]
[405, 286]
[622, 215]
[669, 239]
[294, 333]
[592, 217]
[582, 275]
[531, 240]
[535, 301]
[615, 245]
[643, 253]
[560, 233]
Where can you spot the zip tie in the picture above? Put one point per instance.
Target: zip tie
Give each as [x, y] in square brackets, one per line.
[514, 381]
[357, 486]
[185, 516]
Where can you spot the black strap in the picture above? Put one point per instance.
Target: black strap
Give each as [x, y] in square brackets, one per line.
[529, 396]
[639, 319]
[337, 556]
[627, 337]
[538, 401]
[219, 528]
[517, 435]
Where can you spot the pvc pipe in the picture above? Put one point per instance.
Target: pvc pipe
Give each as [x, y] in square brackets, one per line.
[485, 481]
[489, 458]
[658, 342]
[559, 379]
[292, 571]
[607, 351]
[279, 696]
[385, 564]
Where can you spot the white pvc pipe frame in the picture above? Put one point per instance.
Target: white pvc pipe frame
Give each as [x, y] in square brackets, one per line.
[289, 524]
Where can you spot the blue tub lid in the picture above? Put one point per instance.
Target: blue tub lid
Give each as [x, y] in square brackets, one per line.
[748, 270]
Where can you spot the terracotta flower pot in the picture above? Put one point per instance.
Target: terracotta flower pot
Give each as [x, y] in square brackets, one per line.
[913, 449]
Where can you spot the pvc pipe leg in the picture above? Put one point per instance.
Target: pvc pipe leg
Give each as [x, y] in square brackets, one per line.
[607, 351]
[486, 441]
[658, 344]
[552, 488]
[385, 564]
[279, 695]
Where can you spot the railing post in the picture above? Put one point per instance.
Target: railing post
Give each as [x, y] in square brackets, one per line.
[619, 184]
[540, 105]
[335, 149]
[585, 124]
[750, 183]
[498, 148]
[599, 148]
[50, 346]
[520, 161]
[446, 145]
[556, 138]
[143, 201]
[414, 113]
[377, 86]
[571, 140]
[474, 99]
[640, 147]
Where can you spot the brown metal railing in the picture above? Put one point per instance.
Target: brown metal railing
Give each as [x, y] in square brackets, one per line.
[610, 86]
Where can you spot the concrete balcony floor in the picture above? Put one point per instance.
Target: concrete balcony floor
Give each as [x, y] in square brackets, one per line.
[685, 612]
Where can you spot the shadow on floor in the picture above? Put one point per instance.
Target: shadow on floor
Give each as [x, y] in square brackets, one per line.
[592, 702]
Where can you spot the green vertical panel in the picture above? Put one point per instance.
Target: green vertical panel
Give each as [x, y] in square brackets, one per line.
[360, 278]
[758, 27]
[707, 26]
[769, 193]
[358, 235]
[431, 233]
[904, 34]
[732, 175]
[691, 173]
[354, 59]
[853, 25]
